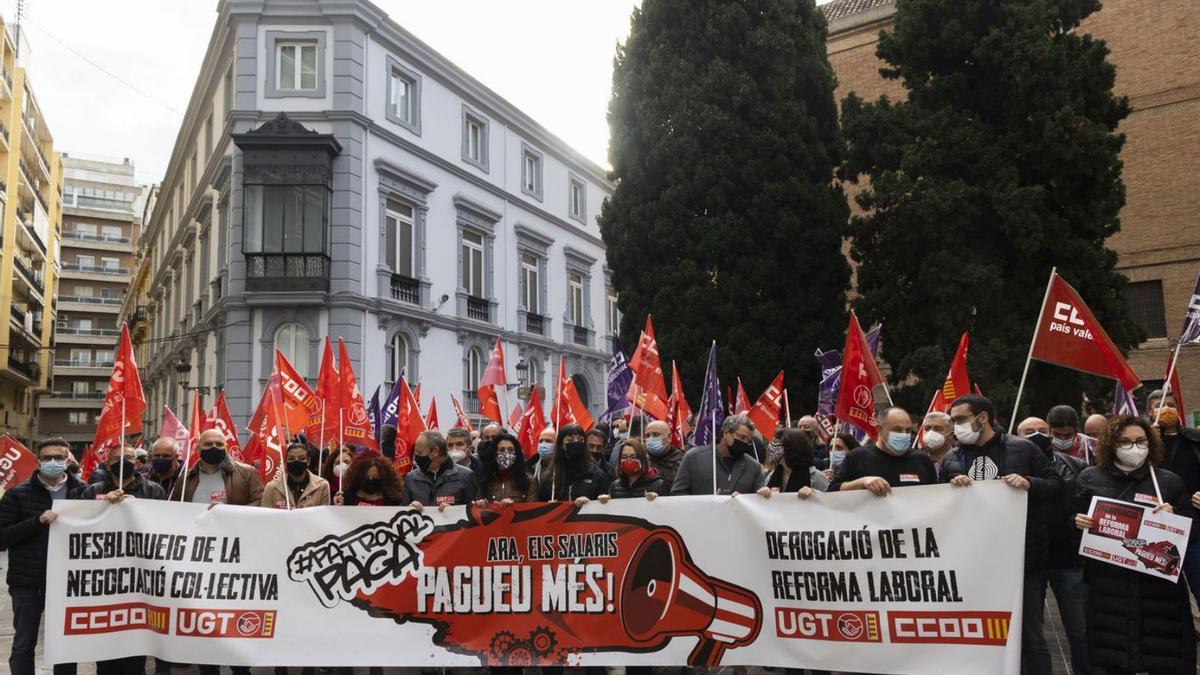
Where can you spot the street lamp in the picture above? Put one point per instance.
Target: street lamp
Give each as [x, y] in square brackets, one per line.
[523, 391]
[183, 367]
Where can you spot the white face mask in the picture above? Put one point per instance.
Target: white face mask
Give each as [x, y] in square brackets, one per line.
[457, 456]
[966, 434]
[1131, 458]
[934, 440]
[339, 469]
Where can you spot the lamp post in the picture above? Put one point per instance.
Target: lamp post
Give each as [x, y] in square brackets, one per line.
[184, 368]
[523, 390]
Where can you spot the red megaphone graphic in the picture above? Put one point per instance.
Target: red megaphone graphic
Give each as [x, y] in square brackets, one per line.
[540, 584]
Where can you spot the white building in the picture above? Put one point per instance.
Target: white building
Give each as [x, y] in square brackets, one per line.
[336, 176]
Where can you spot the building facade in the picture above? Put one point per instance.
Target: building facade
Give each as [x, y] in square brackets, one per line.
[336, 176]
[1156, 50]
[102, 206]
[31, 192]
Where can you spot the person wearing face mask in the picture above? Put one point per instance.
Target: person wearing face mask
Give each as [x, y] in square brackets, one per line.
[134, 486]
[597, 444]
[1064, 570]
[638, 478]
[571, 474]
[304, 488]
[435, 479]
[936, 437]
[25, 519]
[810, 426]
[839, 446]
[502, 474]
[335, 468]
[164, 463]
[217, 479]
[792, 468]
[545, 452]
[1136, 623]
[458, 442]
[737, 471]
[983, 453]
[1095, 425]
[888, 463]
[1181, 450]
[490, 432]
[371, 480]
[1064, 433]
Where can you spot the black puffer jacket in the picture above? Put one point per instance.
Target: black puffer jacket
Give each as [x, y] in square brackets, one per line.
[1006, 454]
[1064, 536]
[1136, 623]
[647, 482]
[590, 482]
[140, 488]
[23, 536]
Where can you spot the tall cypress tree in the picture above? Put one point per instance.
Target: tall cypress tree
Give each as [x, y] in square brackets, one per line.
[1002, 163]
[725, 223]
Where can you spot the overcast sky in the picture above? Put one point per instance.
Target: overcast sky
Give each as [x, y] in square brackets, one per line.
[552, 59]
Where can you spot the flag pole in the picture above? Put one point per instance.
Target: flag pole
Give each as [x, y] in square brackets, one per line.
[787, 408]
[281, 469]
[321, 446]
[121, 471]
[1167, 386]
[713, 430]
[187, 460]
[1032, 344]
[507, 410]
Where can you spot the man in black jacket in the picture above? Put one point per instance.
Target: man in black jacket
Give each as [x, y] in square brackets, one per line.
[436, 480]
[986, 454]
[25, 518]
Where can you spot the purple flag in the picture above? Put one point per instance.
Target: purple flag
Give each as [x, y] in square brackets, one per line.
[831, 378]
[619, 379]
[711, 411]
[389, 408]
[373, 412]
[1123, 403]
[1191, 321]
[873, 338]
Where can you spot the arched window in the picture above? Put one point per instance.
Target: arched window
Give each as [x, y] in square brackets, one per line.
[581, 388]
[535, 373]
[399, 356]
[475, 366]
[292, 340]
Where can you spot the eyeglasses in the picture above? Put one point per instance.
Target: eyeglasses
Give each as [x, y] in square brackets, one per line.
[963, 419]
[1129, 445]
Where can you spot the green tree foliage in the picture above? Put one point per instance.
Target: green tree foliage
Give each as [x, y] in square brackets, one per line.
[1002, 163]
[725, 223]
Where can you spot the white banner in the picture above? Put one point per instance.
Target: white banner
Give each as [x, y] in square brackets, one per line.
[925, 580]
[1133, 536]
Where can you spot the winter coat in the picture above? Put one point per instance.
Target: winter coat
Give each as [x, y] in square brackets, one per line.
[453, 485]
[140, 488]
[647, 482]
[23, 535]
[1064, 536]
[1008, 454]
[1136, 622]
[315, 493]
[816, 480]
[243, 485]
[590, 482]
[667, 465]
[500, 488]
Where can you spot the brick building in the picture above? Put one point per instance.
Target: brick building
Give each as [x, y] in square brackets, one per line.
[1156, 49]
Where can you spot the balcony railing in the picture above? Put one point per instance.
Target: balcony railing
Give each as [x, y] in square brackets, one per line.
[103, 238]
[90, 395]
[90, 299]
[406, 289]
[95, 269]
[27, 368]
[17, 313]
[535, 323]
[580, 335]
[478, 309]
[4, 131]
[471, 402]
[97, 332]
[25, 268]
[287, 272]
[82, 363]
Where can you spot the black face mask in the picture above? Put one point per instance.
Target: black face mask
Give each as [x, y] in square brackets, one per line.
[116, 467]
[738, 448]
[297, 467]
[372, 485]
[575, 450]
[1042, 441]
[422, 462]
[212, 455]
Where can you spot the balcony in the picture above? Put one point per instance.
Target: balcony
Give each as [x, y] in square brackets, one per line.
[90, 300]
[478, 309]
[69, 400]
[471, 402]
[17, 313]
[283, 272]
[82, 363]
[29, 369]
[406, 289]
[4, 133]
[579, 335]
[96, 241]
[93, 332]
[107, 270]
[535, 323]
[26, 268]
[81, 368]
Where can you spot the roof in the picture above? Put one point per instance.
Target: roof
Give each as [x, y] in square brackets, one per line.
[839, 9]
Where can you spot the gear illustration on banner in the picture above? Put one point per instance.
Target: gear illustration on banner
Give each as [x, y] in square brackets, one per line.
[501, 643]
[542, 639]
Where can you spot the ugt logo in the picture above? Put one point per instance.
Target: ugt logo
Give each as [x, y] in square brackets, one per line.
[1066, 312]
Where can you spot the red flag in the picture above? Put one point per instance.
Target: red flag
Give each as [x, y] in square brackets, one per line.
[515, 418]
[741, 404]
[678, 410]
[409, 425]
[300, 404]
[219, 419]
[765, 413]
[1068, 334]
[533, 422]
[431, 419]
[268, 426]
[416, 392]
[463, 421]
[651, 391]
[1176, 391]
[860, 374]
[356, 425]
[489, 405]
[494, 374]
[957, 383]
[323, 425]
[124, 403]
[173, 428]
[568, 408]
[17, 463]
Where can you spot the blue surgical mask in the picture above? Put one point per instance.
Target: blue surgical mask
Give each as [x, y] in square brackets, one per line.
[52, 468]
[545, 449]
[899, 444]
[1063, 443]
[836, 457]
[655, 446]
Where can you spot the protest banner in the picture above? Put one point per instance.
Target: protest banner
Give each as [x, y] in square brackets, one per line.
[883, 585]
[1134, 537]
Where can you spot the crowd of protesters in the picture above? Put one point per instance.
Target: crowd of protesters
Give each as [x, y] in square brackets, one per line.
[1116, 620]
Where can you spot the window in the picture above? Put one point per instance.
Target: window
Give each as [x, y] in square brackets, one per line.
[1145, 299]
[576, 199]
[401, 251]
[531, 172]
[79, 388]
[291, 219]
[110, 263]
[194, 176]
[475, 139]
[296, 66]
[614, 315]
[111, 231]
[77, 417]
[83, 292]
[475, 365]
[399, 356]
[81, 356]
[83, 324]
[86, 229]
[292, 341]
[227, 89]
[111, 293]
[85, 260]
[575, 300]
[208, 139]
[404, 96]
[104, 356]
[530, 287]
[535, 373]
[472, 268]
